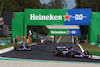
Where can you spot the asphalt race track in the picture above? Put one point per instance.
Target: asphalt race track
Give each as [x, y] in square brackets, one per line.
[45, 52]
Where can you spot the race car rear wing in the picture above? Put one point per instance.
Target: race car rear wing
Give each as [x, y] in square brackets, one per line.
[61, 47]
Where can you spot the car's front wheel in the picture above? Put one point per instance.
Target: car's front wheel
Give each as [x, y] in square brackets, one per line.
[55, 53]
[71, 54]
[86, 52]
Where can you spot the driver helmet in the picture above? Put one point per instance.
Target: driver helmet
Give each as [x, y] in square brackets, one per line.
[72, 49]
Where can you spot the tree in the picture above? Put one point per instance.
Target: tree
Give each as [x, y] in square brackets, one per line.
[57, 4]
[1, 2]
[44, 6]
[93, 4]
[18, 5]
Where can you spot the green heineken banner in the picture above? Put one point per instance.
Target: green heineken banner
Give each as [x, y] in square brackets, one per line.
[48, 17]
[57, 16]
[45, 16]
[68, 32]
[3, 43]
[92, 43]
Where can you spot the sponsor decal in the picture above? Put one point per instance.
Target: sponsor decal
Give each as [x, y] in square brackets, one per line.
[58, 16]
[58, 32]
[93, 43]
[69, 32]
[67, 17]
[63, 32]
[47, 17]
[3, 43]
[73, 32]
[76, 17]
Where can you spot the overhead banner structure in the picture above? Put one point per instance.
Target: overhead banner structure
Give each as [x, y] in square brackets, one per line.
[48, 17]
[57, 16]
[94, 29]
[68, 32]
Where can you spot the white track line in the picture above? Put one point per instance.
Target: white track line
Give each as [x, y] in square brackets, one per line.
[81, 48]
[59, 39]
[93, 56]
[10, 49]
[6, 50]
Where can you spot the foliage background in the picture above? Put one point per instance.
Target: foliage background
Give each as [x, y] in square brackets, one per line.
[20, 5]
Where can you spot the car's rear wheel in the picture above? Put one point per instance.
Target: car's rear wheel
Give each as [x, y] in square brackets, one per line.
[15, 47]
[55, 53]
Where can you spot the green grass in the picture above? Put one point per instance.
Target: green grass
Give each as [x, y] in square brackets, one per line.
[93, 49]
[4, 37]
[10, 45]
[95, 53]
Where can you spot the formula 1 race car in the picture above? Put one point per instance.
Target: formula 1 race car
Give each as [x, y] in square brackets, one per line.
[22, 47]
[58, 50]
[75, 53]
[70, 52]
[42, 41]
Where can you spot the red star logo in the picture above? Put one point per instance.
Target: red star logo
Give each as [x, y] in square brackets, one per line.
[67, 17]
[68, 32]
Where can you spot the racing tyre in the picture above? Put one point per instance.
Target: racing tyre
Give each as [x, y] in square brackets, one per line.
[55, 53]
[15, 47]
[71, 54]
[86, 52]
